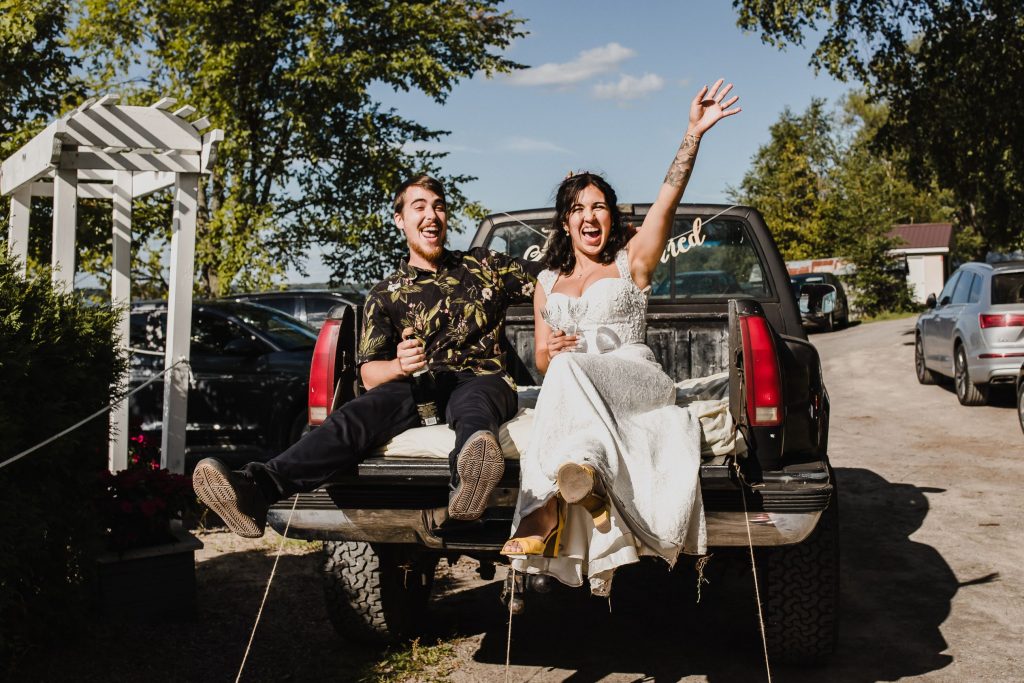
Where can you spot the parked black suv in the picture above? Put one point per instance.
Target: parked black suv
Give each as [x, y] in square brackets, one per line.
[248, 380]
[311, 306]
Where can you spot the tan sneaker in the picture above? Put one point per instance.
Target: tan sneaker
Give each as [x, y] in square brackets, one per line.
[480, 465]
[235, 498]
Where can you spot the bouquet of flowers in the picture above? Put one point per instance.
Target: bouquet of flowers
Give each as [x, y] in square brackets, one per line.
[137, 504]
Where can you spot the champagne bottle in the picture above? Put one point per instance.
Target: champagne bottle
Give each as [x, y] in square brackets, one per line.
[424, 392]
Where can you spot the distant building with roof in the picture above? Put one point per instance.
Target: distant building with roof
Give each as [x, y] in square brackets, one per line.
[926, 247]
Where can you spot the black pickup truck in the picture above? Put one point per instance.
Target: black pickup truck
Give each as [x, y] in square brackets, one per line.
[720, 302]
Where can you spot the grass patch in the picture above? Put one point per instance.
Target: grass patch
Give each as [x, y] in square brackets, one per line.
[412, 662]
[272, 541]
[889, 315]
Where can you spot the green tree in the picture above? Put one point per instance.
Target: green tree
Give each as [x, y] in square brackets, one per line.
[952, 73]
[310, 156]
[825, 190]
[870, 193]
[788, 180]
[35, 73]
[35, 67]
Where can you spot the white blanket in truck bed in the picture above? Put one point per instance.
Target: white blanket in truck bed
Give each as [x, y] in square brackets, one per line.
[708, 397]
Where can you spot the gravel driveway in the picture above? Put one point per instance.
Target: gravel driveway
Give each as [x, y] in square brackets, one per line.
[932, 582]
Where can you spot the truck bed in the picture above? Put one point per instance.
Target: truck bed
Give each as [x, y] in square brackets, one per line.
[401, 495]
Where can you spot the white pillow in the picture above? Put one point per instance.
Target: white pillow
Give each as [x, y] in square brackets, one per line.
[704, 395]
[437, 441]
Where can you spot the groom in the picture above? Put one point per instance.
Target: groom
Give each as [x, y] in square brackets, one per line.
[451, 305]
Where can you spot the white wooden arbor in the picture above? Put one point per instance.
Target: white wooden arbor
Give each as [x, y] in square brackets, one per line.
[102, 150]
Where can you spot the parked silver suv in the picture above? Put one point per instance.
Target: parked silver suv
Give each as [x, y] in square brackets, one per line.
[974, 331]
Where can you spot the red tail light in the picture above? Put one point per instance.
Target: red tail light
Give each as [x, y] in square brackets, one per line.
[321, 372]
[764, 385]
[1001, 320]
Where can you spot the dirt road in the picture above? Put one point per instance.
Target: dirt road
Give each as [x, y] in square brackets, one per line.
[932, 552]
[932, 574]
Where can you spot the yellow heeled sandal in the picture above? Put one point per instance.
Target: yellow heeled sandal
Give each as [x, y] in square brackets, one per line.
[579, 484]
[533, 545]
[575, 481]
[599, 511]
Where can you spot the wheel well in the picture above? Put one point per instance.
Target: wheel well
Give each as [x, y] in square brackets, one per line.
[957, 344]
[294, 416]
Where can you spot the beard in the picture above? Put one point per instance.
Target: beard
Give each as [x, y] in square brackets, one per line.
[431, 254]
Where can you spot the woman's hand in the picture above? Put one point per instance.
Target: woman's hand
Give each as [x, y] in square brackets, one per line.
[708, 107]
[559, 341]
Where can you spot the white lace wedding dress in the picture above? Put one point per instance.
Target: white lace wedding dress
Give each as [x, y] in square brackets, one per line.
[613, 407]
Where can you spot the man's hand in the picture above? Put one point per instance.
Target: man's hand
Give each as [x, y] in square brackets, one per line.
[411, 355]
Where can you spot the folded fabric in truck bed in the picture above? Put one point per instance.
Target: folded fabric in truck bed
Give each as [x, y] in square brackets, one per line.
[707, 397]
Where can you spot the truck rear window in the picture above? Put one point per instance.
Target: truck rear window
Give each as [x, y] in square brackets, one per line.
[703, 261]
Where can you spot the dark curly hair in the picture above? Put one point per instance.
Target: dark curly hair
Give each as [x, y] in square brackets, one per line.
[558, 253]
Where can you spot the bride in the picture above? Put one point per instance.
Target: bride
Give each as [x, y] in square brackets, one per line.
[612, 467]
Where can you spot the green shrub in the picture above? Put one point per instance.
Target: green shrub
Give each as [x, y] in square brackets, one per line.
[879, 281]
[59, 363]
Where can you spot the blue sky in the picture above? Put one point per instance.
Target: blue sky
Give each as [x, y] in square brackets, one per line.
[608, 91]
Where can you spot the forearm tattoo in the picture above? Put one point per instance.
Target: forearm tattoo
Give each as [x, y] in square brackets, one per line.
[682, 165]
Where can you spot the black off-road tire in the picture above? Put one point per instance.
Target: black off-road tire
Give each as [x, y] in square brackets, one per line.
[967, 392]
[1020, 405]
[376, 593]
[924, 375]
[801, 600]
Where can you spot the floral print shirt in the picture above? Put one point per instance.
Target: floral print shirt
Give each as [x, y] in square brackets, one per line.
[458, 312]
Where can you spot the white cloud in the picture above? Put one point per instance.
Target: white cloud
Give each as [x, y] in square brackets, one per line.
[629, 87]
[521, 144]
[588, 64]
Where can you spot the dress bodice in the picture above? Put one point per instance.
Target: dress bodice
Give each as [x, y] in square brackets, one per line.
[610, 313]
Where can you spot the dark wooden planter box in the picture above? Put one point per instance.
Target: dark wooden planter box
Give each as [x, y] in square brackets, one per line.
[154, 583]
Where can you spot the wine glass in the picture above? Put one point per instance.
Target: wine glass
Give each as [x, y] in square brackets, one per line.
[575, 310]
[549, 318]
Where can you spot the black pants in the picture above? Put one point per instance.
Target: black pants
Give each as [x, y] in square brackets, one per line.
[470, 403]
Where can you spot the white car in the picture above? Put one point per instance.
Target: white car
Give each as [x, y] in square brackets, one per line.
[974, 331]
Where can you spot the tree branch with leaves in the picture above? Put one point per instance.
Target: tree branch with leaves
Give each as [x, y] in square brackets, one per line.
[310, 156]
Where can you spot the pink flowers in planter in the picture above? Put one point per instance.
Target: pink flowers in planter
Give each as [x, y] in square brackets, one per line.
[137, 504]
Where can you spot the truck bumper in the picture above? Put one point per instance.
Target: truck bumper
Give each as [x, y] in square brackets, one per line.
[767, 529]
[782, 510]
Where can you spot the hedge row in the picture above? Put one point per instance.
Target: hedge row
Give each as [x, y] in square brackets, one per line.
[58, 364]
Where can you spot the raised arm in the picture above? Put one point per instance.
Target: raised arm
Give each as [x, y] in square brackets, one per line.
[645, 249]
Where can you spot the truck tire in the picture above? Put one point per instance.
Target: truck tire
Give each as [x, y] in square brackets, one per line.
[1020, 405]
[967, 392]
[802, 595]
[376, 594]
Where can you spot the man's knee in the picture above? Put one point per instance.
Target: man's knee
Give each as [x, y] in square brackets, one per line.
[487, 395]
